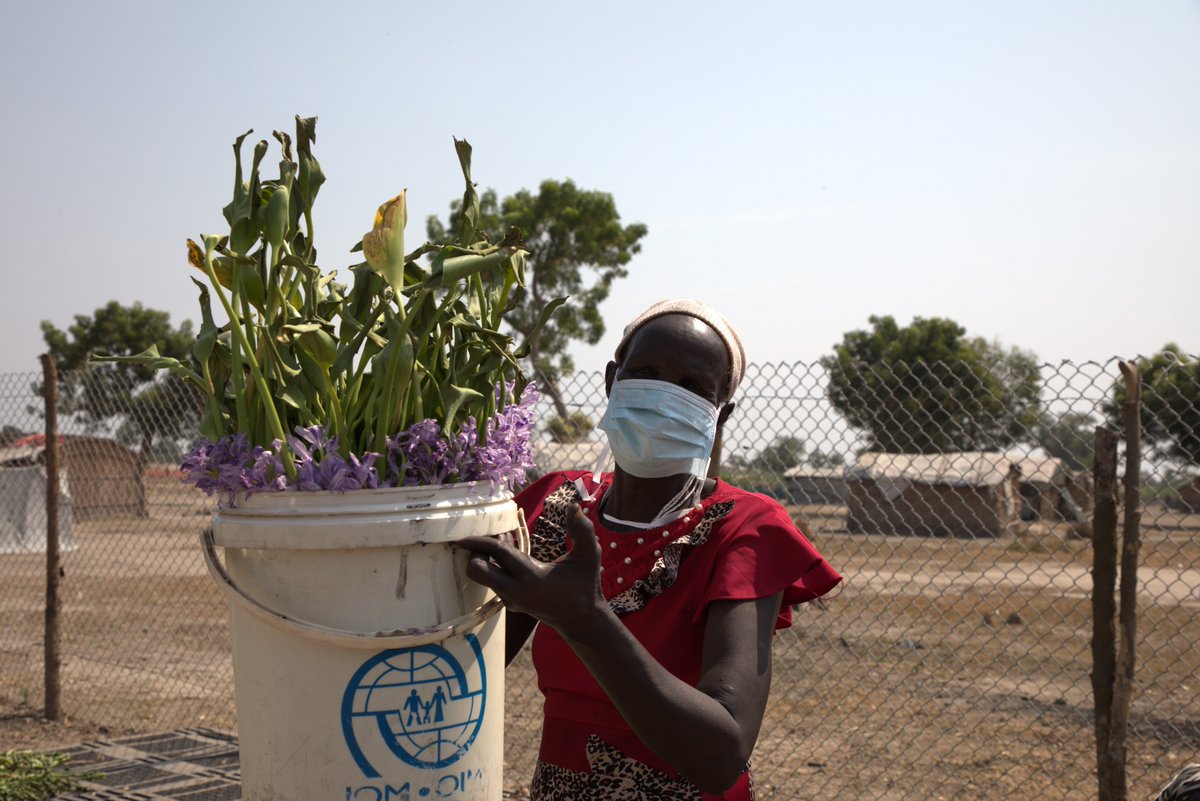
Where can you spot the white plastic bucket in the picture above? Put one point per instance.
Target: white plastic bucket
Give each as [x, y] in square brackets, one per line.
[367, 667]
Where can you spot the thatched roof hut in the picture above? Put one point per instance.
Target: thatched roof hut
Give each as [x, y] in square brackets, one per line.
[106, 478]
[1188, 499]
[969, 494]
[815, 485]
[1050, 491]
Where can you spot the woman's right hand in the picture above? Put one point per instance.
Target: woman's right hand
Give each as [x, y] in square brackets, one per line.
[564, 594]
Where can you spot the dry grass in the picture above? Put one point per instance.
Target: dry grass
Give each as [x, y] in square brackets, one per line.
[944, 669]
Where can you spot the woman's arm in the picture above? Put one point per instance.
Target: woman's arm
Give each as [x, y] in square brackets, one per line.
[705, 732]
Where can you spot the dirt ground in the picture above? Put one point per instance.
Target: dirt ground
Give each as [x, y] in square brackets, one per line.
[943, 669]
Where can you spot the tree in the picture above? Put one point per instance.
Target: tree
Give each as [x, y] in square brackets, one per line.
[576, 427]
[1070, 437]
[150, 405]
[928, 388]
[577, 248]
[782, 454]
[10, 434]
[821, 460]
[1170, 404]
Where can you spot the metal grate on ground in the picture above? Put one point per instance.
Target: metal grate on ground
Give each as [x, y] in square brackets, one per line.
[181, 765]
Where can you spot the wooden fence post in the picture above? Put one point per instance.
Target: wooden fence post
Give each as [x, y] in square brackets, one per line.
[1114, 642]
[1104, 581]
[52, 660]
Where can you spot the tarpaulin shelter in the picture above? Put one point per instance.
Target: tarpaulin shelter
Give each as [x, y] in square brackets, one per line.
[23, 503]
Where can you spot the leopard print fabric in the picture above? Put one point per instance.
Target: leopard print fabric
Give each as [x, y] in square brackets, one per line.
[612, 777]
[1185, 786]
[548, 541]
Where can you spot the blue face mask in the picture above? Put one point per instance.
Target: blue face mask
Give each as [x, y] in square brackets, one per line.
[658, 429]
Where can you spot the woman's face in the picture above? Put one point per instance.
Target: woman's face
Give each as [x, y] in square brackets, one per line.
[681, 350]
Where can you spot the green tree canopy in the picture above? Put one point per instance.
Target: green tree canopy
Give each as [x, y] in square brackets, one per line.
[928, 388]
[1070, 437]
[784, 453]
[10, 434]
[577, 247]
[821, 460]
[151, 405]
[1170, 404]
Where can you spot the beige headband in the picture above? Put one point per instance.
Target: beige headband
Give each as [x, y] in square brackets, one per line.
[701, 311]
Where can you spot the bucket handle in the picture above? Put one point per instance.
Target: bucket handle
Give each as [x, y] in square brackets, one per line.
[376, 640]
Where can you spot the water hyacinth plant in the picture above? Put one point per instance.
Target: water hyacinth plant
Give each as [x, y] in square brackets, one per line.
[399, 376]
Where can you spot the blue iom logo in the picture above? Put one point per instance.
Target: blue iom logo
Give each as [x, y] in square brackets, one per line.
[418, 703]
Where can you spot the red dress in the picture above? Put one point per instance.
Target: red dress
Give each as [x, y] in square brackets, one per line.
[735, 545]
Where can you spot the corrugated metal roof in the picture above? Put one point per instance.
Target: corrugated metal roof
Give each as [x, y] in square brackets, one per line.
[964, 469]
[815, 472]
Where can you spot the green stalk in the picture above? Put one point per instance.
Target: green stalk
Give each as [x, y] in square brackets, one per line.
[235, 361]
[335, 411]
[240, 336]
[273, 281]
[308, 227]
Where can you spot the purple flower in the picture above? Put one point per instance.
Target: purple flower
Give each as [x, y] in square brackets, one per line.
[423, 454]
[266, 473]
[229, 466]
[419, 455]
[507, 457]
[319, 466]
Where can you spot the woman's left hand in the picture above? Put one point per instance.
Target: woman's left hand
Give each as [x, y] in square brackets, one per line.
[564, 594]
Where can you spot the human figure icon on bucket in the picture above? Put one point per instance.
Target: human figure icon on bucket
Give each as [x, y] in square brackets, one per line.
[658, 586]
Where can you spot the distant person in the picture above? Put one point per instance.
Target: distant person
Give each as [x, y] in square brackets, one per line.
[658, 586]
[1185, 786]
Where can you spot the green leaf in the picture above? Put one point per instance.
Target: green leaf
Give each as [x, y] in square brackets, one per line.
[547, 311]
[150, 357]
[293, 396]
[240, 205]
[310, 177]
[469, 216]
[453, 397]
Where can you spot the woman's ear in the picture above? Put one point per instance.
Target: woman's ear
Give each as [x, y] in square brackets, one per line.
[610, 373]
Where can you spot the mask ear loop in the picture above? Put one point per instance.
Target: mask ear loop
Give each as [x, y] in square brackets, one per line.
[589, 495]
[684, 499]
[687, 497]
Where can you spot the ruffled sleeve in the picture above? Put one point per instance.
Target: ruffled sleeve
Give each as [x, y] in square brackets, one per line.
[762, 553]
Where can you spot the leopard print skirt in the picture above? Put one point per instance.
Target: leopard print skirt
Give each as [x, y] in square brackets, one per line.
[613, 777]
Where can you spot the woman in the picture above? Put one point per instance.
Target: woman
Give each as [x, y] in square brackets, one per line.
[657, 587]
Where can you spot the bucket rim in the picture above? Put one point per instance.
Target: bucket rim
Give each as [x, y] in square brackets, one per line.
[290, 500]
[375, 518]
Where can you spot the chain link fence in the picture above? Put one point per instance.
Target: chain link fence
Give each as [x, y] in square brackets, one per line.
[954, 663]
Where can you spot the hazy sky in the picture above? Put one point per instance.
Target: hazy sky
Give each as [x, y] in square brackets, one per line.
[1029, 169]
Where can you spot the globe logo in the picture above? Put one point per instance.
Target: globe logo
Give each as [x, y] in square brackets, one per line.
[419, 704]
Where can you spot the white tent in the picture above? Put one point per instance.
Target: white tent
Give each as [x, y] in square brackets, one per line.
[23, 510]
